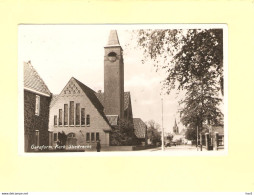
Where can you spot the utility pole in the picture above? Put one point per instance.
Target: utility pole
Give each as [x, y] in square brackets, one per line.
[162, 133]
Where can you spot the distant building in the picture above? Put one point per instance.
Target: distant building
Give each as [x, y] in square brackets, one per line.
[36, 109]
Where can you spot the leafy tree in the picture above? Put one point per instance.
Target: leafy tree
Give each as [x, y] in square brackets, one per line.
[183, 53]
[153, 132]
[123, 135]
[193, 60]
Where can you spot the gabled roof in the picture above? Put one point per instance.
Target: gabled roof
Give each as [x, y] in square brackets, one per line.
[100, 97]
[113, 119]
[32, 80]
[219, 129]
[214, 128]
[91, 94]
[139, 128]
[127, 95]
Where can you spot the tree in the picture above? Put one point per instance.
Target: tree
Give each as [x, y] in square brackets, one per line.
[193, 60]
[152, 132]
[123, 135]
[183, 53]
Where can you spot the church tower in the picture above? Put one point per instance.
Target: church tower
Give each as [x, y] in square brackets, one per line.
[113, 77]
[175, 128]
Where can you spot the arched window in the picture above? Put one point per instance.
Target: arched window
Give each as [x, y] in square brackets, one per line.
[88, 120]
[112, 56]
[71, 135]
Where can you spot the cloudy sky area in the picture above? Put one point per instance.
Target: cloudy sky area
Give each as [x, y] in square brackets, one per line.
[59, 52]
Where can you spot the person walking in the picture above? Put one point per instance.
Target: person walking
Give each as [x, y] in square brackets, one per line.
[98, 146]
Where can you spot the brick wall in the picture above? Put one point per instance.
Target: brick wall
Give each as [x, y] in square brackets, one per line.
[114, 83]
[33, 122]
[97, 123]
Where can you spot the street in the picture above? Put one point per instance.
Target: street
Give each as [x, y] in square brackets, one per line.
[182, 149]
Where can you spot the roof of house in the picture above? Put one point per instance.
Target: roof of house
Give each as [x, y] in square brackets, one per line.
[32, 80]
[113, 119]
[100, 96]
[139, 128]
[219, 129]
[215, 128]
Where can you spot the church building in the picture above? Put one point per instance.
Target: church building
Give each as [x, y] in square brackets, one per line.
[85, 116]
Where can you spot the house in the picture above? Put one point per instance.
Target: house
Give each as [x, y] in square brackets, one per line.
[213, 137]
[217, 134]
[37, 99]
[140, 131]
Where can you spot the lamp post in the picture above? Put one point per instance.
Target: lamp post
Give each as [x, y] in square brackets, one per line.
[162, 133]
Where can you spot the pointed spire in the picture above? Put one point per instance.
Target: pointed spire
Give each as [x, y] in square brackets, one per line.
[113, 38]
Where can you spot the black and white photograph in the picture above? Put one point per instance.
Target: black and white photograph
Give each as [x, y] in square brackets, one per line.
[128, 89]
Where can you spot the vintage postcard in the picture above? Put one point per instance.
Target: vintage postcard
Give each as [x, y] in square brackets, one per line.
[122, 89]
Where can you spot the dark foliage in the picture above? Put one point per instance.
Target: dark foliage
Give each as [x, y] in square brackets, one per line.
[124, 135]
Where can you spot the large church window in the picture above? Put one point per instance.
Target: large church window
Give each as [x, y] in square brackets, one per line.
[82, 116]
[60, 121]
[78, 114]
[88, 120]
[97, 136]
[65, 114]
[87, 137]
[71, 119]
[92, 137]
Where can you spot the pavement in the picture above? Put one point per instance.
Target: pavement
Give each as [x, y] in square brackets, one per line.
[181, 148]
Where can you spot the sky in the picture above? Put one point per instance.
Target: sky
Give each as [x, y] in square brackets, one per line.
[59, 52]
